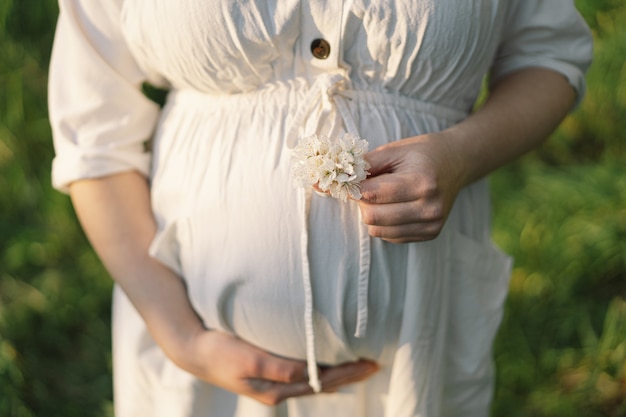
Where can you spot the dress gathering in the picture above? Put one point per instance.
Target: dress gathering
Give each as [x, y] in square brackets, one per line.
[290, 270]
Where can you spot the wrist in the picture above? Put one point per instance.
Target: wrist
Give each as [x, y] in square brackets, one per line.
[466, 160]
[183, 350]
[449, 154]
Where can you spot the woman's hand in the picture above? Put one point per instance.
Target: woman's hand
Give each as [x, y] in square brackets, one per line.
[412, 187]
[416, 180]
[230, 363]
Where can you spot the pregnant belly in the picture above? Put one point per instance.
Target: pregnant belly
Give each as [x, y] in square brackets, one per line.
[243, 268]
[222, 178]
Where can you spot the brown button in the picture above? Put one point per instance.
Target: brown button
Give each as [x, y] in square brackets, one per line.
[320, 48]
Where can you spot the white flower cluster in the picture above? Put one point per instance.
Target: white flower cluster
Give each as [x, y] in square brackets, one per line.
[335, 166]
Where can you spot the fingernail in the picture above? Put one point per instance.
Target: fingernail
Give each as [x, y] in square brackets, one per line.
[369, 367]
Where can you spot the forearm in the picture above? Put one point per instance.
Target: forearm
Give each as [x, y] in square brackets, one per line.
[520, 113]
[116, 216]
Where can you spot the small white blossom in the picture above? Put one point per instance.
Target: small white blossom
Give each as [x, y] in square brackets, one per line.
[335, 166]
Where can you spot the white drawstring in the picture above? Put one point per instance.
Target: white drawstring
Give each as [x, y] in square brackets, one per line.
[304, 201]
[326, 95]
[364, 240]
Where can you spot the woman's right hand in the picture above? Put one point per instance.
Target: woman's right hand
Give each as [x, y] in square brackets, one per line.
[237, 366]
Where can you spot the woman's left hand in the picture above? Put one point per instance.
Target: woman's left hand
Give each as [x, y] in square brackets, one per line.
[415, 181]
[412, 187]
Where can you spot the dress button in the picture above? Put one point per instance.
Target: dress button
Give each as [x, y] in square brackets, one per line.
[320, 48]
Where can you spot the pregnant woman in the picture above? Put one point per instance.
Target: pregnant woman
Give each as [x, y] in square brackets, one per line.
[240, 295]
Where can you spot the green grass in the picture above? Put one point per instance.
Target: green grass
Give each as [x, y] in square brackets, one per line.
[560, 211]
[562, 348]
[54, 294]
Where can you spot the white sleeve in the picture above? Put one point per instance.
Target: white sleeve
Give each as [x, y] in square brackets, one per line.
[100, 118]
[548, 34]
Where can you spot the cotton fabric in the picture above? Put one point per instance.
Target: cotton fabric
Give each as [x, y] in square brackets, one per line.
[244, 86]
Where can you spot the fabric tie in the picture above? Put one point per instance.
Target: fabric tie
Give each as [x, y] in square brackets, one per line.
[327, 98]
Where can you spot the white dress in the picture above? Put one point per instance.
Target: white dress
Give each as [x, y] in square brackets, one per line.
[288, 270]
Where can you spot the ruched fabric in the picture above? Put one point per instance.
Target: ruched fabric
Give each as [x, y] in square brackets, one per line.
[288, 270]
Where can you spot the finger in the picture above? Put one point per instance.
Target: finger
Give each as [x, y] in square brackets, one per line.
[419, 232]
[382, 160]
[385, 188]
[272, 393]
[397, 214]
[398, 187]
[337, 376]
[332, 378]
[320, 192]
[274, 369]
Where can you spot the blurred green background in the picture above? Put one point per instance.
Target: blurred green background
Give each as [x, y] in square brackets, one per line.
[561, 211]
